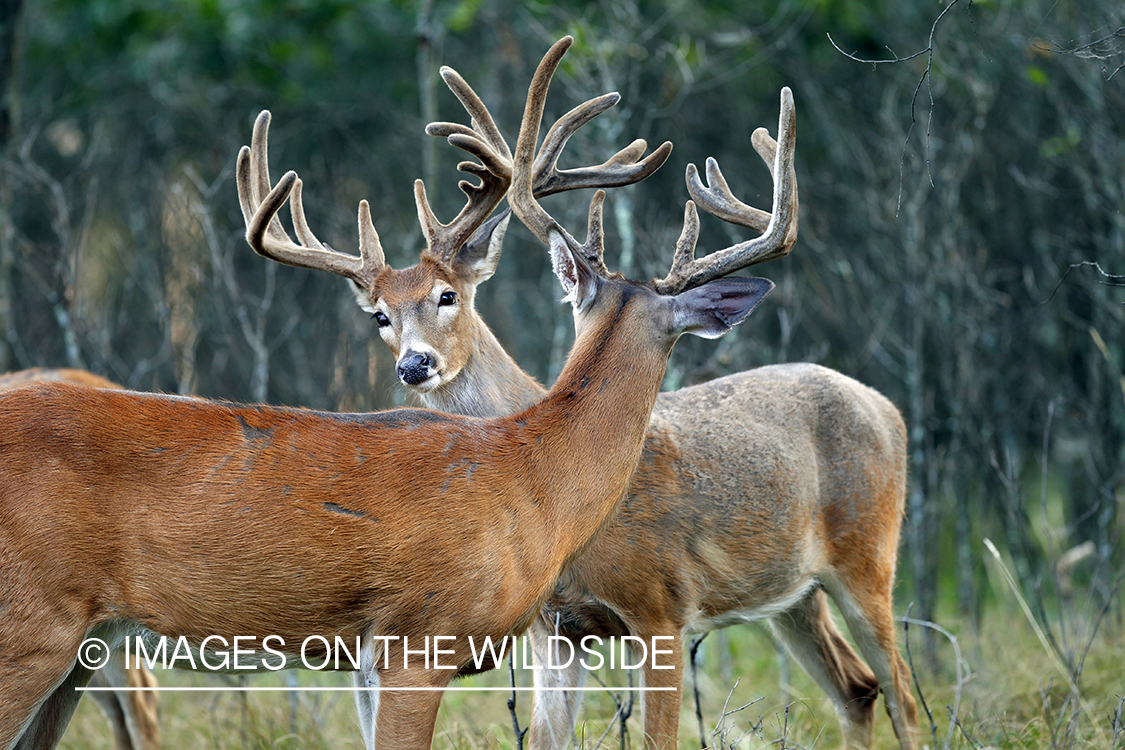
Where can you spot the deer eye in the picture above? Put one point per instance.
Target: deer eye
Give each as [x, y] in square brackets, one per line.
[381, 318]
[447, 298]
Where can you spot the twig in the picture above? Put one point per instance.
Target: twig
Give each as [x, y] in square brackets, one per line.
[925, 79]
[721, 733]
[1089, 51]
[914, 672]
[956, 708]
[692, 657]
[1116, 724]
[626, 712]
[965, 733]
[512, 702]
[1117, 279]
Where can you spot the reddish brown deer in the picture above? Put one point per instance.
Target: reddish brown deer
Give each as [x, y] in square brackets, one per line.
[131, 713]
[123, 512]
[756, 493]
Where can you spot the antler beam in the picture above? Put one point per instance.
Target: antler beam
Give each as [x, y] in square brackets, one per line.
[778, 227]
[627, 166]
[265, 234]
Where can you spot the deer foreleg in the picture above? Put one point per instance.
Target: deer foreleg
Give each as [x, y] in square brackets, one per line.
[662, 679]
[554, 710]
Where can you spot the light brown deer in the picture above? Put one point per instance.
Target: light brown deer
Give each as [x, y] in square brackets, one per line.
[54, 375]
[123, 512]
[757, 493]
[131, 713]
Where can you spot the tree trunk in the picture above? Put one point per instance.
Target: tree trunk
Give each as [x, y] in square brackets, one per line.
[11, 14]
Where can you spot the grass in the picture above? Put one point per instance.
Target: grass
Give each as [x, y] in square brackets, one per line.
[1012, 695]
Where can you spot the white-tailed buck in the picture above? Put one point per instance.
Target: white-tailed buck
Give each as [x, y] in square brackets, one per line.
[131, 713]
[125, 513]
[756, 493]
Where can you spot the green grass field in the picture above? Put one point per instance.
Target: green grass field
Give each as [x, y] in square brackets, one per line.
[1013, 693]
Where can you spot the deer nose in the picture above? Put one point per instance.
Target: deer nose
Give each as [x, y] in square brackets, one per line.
[415, 367]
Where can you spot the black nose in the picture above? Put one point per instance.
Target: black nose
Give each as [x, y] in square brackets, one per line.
[415, 367]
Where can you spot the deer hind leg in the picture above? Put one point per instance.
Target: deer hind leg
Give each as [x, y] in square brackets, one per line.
[866, 605]
[143, 725]
[554, 712]
[810, 635]
[113, 710]
[131, 714]
[367, 704]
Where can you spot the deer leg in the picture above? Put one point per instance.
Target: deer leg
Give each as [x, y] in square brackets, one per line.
[131, 714]
[113, 711]
[554, 712]
[406, 717]
[144, 729]
[367, 683]
[866, 607]
[810, 635]
[367, 704]
[53, 714]
[661, 708]
[38, 673]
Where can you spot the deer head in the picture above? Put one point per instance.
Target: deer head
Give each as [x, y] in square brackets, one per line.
[426, 313]
[692, 298]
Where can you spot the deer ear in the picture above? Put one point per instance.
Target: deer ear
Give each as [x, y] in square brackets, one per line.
[477, 259]
[578, 280]
[716, 307]
[362, 297]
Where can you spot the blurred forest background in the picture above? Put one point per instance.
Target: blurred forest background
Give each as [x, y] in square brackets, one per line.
[962, 241]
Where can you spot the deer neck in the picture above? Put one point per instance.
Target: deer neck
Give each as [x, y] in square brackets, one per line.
[588, 432]
[490, 384]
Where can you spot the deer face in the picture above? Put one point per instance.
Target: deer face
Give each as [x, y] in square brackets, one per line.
[425, 313]
[425, 316]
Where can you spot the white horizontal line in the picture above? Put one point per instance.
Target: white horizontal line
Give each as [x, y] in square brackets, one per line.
[231, 689]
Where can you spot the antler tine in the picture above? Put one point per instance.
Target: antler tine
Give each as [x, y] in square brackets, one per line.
[767, 149]
[779, 232]
[524, 173]
[522, 195]
[269, 239]
[623, 168]
[717, 199]
[483, 126]
[482, 140]
[541, 174]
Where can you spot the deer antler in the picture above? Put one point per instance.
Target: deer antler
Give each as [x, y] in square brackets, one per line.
[525, 168]
[444, 240]
[269, 239]
[779, 227]
[623, 168]
[483, 141]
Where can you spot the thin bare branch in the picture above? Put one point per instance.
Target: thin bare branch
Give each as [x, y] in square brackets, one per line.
[925, 79]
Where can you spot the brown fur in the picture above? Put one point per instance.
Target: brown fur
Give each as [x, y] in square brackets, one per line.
[122, 505]
[750, 487]
[131, 715]
[747, 486]
[54, 375]
[756, 492]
